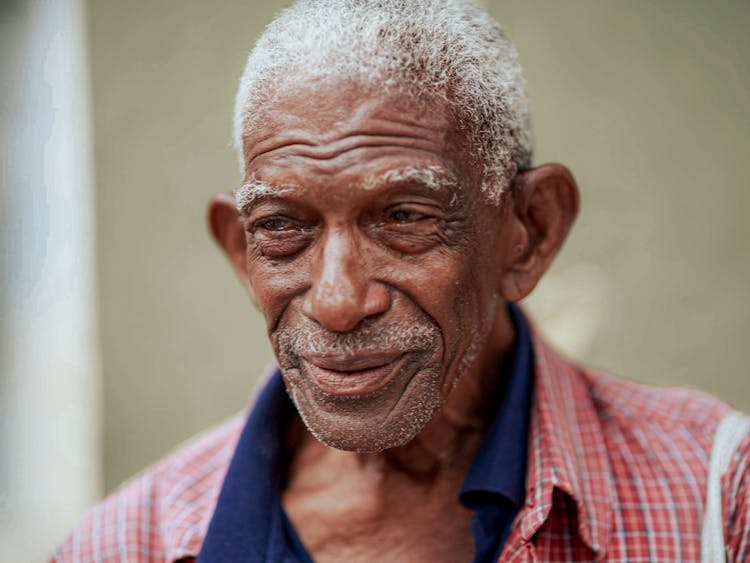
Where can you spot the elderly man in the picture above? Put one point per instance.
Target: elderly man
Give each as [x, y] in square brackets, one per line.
[388, 219]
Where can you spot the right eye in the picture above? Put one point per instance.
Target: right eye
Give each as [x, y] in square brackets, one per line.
[274, 224]
[278, 236]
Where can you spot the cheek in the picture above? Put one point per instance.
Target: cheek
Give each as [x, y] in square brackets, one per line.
[469, 308]
[448, 287]
[274, 285]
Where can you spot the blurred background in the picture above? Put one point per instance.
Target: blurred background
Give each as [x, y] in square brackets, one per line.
[122, 329]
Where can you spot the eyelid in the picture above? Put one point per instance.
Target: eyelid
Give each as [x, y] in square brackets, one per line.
[267, 206]
[259, 223]
[424, 209]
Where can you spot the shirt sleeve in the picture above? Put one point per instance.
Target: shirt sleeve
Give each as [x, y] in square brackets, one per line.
[736, 504]
[121, 528]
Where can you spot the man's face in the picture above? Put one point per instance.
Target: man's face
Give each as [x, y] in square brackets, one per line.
[373, 257]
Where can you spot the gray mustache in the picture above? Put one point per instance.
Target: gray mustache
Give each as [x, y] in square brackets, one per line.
[314, 339]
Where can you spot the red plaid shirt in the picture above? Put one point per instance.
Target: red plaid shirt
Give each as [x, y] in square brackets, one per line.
[616, 472]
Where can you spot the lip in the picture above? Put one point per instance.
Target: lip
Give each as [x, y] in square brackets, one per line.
[353, 375]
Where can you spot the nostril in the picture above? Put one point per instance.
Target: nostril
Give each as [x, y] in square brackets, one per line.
[377, 300]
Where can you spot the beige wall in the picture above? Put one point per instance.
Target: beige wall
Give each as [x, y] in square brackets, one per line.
[645, 101]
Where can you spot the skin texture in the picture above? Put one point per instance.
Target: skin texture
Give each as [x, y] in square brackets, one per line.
[384, 297]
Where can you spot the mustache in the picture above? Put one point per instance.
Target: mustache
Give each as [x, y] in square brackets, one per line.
[370, 336]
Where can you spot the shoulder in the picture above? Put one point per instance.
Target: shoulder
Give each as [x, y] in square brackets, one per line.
[666, 434]
[735, 487]
[161, 514]
[659, 443]
[637, 407]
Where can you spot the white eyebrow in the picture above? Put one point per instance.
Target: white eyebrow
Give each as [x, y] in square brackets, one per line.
[249, 192]
[433, 177]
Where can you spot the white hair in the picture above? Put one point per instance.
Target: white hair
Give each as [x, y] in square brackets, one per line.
[435, 49]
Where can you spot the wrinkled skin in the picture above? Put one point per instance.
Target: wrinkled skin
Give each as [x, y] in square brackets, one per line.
[384, 294]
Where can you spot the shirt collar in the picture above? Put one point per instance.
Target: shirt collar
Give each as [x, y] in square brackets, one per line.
[247, 512]
[567, 449]
[500, 463]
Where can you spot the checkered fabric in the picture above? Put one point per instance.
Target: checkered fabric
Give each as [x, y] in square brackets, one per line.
[617, 472]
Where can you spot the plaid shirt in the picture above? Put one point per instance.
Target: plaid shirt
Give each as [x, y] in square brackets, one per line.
[616, 472]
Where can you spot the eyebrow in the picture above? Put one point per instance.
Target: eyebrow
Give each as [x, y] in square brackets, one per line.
[432, 177]
[250, 192]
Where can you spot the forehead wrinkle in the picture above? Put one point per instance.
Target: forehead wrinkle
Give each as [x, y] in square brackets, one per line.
[329, 148]
[326, 135]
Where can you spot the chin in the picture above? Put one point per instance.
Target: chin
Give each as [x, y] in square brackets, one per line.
[359, 443]
[371, 423]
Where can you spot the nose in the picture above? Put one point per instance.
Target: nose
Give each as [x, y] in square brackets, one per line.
[343, 293]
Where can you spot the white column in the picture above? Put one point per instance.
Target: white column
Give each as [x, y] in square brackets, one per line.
[49, 381]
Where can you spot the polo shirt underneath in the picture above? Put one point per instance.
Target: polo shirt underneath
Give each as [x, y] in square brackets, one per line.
[249, 522]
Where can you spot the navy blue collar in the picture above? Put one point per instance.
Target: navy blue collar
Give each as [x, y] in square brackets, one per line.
[500, 464]
[249, 523]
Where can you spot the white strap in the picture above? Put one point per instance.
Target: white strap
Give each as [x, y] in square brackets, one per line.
[732, 429]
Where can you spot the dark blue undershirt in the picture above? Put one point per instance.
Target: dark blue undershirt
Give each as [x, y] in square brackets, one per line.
[249, 523]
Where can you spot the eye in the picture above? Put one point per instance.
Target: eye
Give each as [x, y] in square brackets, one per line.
[273, 224]
[410, 228]
[278, 236]
[404, 216]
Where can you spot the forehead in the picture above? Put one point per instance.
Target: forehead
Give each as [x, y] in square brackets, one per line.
[320, 104]
[334, 128]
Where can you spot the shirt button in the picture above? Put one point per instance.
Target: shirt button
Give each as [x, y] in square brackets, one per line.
[530, 497]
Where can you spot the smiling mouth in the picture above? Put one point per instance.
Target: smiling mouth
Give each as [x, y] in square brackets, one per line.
[353, 375]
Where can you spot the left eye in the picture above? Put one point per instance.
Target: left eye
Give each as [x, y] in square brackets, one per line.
[404, 216]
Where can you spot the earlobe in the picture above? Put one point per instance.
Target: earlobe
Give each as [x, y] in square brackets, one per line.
[228, 231]
[544, 204]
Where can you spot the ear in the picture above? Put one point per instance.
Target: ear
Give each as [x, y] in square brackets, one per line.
[226, 227]
[543, 206]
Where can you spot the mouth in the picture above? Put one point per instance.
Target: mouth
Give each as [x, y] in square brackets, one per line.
[359, 374]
